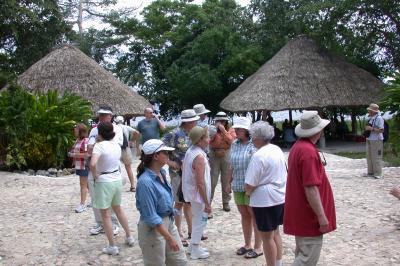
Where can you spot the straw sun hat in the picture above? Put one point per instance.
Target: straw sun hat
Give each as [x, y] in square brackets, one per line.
[310, 124]
[373, 107]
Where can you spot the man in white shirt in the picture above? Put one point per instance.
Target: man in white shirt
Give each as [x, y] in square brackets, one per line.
[105, 115]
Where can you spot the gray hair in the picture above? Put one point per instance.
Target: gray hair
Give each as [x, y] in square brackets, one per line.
[262, 130]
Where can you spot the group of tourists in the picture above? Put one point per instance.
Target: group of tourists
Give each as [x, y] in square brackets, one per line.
[267, 191]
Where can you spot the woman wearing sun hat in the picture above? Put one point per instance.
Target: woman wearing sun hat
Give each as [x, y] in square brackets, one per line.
[242, 150]
[196, 188]
[159, 239]
[220, 144]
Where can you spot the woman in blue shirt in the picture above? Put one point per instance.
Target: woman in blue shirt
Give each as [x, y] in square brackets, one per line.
[159, 239]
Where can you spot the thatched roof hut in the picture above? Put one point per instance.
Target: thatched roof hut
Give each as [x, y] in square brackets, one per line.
[302, 75]
[67, 69]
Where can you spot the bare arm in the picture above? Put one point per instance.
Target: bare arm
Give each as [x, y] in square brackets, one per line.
[249, 189]
[160, 228]
[93, 163]
[198, 167]
[314, 199]
[161, 124]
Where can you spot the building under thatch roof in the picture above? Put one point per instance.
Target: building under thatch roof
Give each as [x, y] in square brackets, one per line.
[67, 69]
[302, 75]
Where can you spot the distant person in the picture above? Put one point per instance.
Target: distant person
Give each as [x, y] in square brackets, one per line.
[196, 188]
[265, 183]
[374, 143]
[105, 115]
[309, 204]
[78, 154]
[343, 129]
[150, 126]
[220, 145]
[107, 184]
[126, 153]
[159, 239]
[179, 139]
[202, 112]
[285, 124]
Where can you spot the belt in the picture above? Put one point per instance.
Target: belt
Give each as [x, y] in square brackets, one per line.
[111, 172]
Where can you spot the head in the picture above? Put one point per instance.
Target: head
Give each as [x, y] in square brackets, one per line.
[199, 136]
[188, 119]
[148, 113]
[373, 109]
[242, 126]
[222, 118]
[261, 133]
[201, 110]
[81, 131]
[119, 120]
[105, 114]
[311, 126]
[106, 130]
[154, 154]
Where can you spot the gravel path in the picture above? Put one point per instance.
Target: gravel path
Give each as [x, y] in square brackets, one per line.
[38, 225]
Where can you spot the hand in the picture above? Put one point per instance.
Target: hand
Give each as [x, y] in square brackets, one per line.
[323, 224]
[395, 191]
[369, 128]
[207, 209]
[174, 165]
[221, 128]
[173, 244]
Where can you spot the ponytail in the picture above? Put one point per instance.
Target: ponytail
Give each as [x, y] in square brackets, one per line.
[145, 161]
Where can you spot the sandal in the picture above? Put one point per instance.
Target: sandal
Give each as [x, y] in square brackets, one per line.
[241, 251]
[252, 254]
[132, 189]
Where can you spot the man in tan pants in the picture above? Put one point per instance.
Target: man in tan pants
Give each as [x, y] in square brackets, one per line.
[374, 142]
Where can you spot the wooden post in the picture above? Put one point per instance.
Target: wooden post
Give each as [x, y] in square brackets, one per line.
[290, 117]
[353, 122]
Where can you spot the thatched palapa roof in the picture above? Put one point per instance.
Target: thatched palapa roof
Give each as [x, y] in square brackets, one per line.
[67, 69]
[302, 75]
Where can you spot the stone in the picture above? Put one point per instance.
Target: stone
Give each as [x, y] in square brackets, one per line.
[42, 172]
[52, 171]
[65, 171]
[31, 172]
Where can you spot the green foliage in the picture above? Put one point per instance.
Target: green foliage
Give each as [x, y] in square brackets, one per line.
[28, 30]
[39, 127]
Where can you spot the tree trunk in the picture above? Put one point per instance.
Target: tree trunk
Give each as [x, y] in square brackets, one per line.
[80, 19]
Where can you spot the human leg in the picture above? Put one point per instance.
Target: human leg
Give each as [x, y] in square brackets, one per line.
[83, 182]
[152, 244]
[308, 250]
[370, 170]
[173, 258]
[376, 157]
[269, 247]
[225, 181]
[257, 235]
[107, 225]
[246, 225]
[187, 210]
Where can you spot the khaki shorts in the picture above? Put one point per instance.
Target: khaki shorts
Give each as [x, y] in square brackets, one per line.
[126, 156]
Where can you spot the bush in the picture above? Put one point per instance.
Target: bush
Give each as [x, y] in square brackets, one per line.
[38, 127]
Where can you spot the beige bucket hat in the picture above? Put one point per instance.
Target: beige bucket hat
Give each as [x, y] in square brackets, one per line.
[310, 124]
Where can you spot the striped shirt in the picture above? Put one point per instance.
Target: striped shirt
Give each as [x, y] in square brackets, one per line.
[240, 158]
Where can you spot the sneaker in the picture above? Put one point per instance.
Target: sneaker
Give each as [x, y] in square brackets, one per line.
[130, 241]
[116, 230]
[89, 205]
[377, 176]
[97, 229]
[189, 250]
[111, 250]
[80, 208]
[198, 253]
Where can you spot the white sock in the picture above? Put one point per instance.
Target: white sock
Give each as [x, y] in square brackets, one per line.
[278, 262]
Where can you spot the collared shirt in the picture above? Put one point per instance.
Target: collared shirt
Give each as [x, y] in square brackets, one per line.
[80, 146]
[376, 121]
[202, 123]
[240, 158]
[154, 199]
[223, 140]
[179, 140]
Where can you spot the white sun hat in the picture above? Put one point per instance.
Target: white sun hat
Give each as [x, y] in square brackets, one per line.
[155, 145]
[200, 109]
[310, 124]
[189, 115]
[241, 122]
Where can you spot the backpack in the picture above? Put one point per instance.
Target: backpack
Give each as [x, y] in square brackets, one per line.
[385, 131]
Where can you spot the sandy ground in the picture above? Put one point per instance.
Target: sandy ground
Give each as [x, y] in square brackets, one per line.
[38, 225]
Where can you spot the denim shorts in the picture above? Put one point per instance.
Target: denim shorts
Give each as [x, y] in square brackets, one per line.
[82, 172]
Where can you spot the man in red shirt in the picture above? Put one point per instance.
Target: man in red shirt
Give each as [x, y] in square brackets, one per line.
[309, 205]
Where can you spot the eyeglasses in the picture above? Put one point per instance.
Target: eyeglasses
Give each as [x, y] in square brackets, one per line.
[323, 159]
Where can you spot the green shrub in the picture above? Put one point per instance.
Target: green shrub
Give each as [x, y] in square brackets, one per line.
[38, 127]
